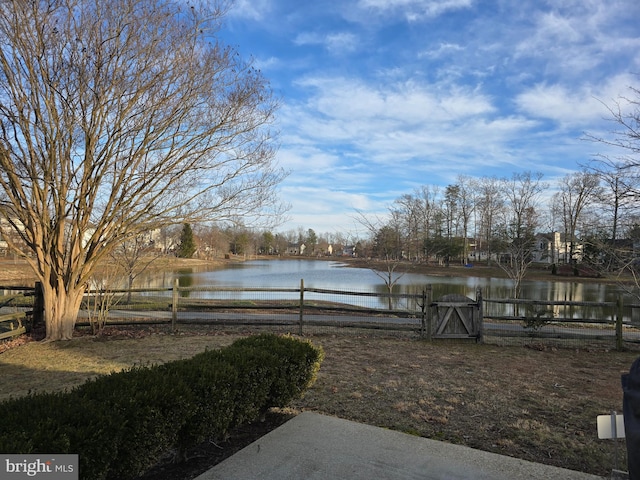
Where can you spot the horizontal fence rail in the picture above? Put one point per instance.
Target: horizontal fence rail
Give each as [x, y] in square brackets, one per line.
[17, 306]
[314, 310]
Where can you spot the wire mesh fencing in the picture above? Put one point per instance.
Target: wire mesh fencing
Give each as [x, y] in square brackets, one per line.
[16, 310]
[316, 311]
[540, 324]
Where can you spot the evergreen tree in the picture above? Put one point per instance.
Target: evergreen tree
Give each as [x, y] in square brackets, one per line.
[187, 243]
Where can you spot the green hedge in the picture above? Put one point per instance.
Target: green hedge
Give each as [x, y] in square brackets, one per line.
[121, 424]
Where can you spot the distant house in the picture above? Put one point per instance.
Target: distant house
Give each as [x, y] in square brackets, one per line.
[323, 249]
[349, 251]
[296, 248]
[477, 255]
[553, 248]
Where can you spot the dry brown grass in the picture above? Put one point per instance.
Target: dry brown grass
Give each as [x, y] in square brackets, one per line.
[539, 405]
[40, 366]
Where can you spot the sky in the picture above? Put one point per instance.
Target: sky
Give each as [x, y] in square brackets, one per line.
[381, 97]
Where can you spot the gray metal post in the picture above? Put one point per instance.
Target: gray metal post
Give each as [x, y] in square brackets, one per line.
[614, 435]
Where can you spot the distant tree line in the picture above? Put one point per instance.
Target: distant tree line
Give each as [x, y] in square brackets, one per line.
[485, 214]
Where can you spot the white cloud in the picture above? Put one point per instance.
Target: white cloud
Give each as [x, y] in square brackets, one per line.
[307, 38]
[444, 49]
[395, 135]
[573, 106]
[338, 42]
[267, 63]
[400, 104]
[330, 210]
[415, 10]
[341, 42]
[574, 39]
[307, 158]
[251, 9]
[481, 88]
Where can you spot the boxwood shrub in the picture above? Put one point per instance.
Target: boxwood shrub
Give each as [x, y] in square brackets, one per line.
[121, 424]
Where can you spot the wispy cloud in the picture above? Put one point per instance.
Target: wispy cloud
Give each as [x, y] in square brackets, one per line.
[337, 42]
[382, 96]
[251, 9]
[576, 106]
[414, 10]
[444, 49]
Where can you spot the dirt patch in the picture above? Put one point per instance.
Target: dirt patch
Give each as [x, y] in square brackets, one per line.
[206, 455]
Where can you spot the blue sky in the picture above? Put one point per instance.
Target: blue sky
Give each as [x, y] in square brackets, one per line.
[380, 97]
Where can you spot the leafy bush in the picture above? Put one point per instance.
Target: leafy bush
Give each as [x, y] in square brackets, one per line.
[121, 424]
[295, 366]
[213, 383]
[59, 423]
[151, 408]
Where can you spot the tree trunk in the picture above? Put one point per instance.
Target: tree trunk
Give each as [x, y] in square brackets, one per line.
[61, 309]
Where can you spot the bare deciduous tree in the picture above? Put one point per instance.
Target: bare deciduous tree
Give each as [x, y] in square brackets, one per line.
[619, 168]
[577, 192]
[521, 192]
[118, 118]
[407, 209]
[620, 187]
[490, 204]
[132, 258]
[386, 249]
[466, 207]
[625, 114]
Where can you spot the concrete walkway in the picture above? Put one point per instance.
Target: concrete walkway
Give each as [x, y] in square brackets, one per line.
[313, 446]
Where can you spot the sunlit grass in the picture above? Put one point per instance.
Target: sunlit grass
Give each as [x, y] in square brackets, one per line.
[39, 366]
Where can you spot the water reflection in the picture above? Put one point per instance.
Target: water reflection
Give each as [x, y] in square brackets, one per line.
[185, 280]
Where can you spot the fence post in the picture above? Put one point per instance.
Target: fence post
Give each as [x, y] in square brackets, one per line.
[428, 301]
[301, 305]
[38, 304]
[423, 314]
[480, 315]
[619, 314]
[174, 305]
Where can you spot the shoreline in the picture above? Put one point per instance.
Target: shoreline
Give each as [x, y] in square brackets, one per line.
[481, 271]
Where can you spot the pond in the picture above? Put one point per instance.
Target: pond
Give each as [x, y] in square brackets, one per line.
[336, 275]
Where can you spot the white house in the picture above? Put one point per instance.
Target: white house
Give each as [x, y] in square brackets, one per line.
[296, 249]
[553, 248]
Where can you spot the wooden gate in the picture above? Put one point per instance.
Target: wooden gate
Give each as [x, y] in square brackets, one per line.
[458, 317]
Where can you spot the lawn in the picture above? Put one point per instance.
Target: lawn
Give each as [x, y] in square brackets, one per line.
[535, 404]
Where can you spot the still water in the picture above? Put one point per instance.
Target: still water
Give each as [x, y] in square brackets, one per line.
[336, 276]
